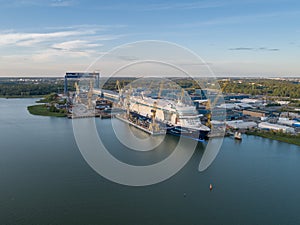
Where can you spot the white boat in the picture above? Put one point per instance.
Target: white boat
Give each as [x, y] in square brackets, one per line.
[238, 135]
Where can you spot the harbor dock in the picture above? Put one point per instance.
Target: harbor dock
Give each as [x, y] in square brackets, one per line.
[145, 129]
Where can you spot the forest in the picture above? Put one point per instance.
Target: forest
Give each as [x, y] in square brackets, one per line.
[269, 87]
[280, 88]
[16, 89]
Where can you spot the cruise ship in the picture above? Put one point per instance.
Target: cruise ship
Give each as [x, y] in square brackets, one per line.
[177, 118]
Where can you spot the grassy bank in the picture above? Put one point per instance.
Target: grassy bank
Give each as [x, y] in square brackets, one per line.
[42, 110]
[279, 136]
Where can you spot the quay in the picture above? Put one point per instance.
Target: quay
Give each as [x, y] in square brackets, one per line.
[160, 132]
[100, 115]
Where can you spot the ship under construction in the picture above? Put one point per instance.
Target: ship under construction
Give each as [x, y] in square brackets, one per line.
[152, 111]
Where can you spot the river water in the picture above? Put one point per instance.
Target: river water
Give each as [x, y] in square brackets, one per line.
[44, 179]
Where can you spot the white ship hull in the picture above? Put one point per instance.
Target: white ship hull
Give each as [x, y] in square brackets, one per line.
[179, 119]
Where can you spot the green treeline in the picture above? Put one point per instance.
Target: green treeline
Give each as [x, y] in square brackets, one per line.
[280, 88]
[264, 87]
[110, 84]
[15, 89]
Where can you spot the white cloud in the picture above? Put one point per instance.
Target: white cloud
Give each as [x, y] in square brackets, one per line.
[55, 49]
[28, 39]
[74, 45]
[53, 55]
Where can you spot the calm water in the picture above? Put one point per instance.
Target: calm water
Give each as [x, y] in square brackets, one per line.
[45, 180]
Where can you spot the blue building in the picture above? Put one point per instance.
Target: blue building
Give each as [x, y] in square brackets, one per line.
[78, 75]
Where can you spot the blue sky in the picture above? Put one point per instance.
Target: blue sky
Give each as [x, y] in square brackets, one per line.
[236, 38]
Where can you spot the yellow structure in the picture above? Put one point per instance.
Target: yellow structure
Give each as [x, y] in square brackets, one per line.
[210, 106]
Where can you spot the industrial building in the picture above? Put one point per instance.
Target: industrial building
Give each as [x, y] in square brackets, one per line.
[256, 113]
[275, 127]
[240, 124]
[235, 96]
[79, 75]
[288, 122]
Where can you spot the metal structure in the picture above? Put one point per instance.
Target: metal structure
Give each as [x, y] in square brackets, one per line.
[77, 97]
[210, 106]
[128, 101]
[120, 93]
[154, 126]
[90, 95]
[78, 75]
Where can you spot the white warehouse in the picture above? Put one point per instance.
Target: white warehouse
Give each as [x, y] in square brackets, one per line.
[288, 122]
[240, 124]
[276, 127]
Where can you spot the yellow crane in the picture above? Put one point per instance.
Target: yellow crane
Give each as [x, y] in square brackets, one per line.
[154, 126]
[210, 106]
[90, 94]
[120, 91]
[118, 86]
[182, 95]
[128, 101]
[77, 97]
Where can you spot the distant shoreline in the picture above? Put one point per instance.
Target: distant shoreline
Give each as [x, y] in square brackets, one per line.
[22, 96]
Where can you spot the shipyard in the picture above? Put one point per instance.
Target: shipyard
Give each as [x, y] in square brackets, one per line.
[158, 106]
[149, 112]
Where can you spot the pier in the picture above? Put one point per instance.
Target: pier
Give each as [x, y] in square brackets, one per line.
[145, 129]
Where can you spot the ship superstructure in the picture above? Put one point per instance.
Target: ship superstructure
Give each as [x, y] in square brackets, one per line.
[179, 118]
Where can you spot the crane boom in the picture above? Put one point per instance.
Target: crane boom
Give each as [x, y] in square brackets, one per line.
[128, 101]
[154, 126]
[210, 105]
[77, 98]
[118, 86]
[90, 95]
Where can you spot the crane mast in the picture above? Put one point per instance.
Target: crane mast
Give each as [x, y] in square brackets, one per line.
[210, 105]
[90, 95]
[154, 126]
[77, 97]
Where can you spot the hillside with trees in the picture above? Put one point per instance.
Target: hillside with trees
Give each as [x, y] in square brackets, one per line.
[280, 88]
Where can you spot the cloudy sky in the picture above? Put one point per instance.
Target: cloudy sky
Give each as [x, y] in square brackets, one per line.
[236, 38]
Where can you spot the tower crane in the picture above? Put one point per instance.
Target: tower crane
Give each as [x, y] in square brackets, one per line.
[120, 92]
[90, 95]
[210, 105]
[182, 95]
[118, 86]
[77, 97]
[128, 101]
[154, 126]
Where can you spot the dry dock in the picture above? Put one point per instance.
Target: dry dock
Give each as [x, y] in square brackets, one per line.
[161, 132]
